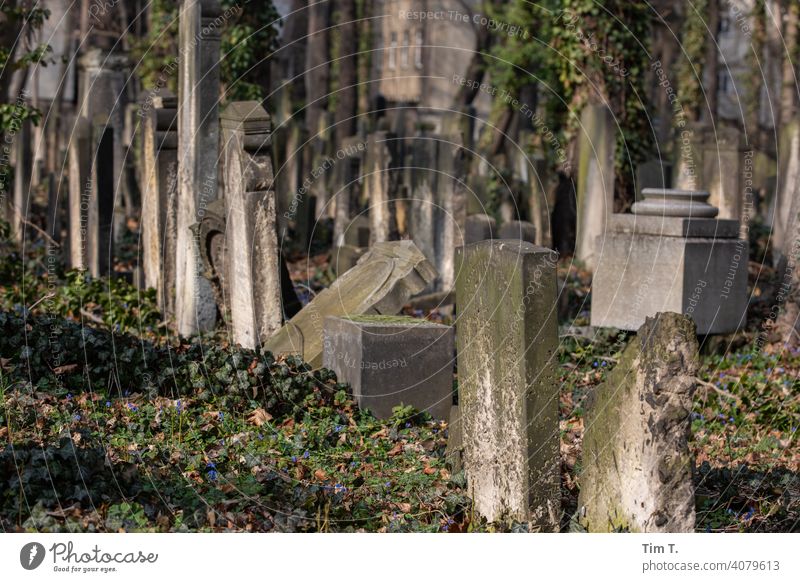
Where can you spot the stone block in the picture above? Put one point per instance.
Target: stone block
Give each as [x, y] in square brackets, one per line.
[392, 361]
[479, 227]
[507, 336]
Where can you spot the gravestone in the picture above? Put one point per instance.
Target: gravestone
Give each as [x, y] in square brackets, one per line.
[346, 186]
[99, 237]
[689, 157]
[507, 336]
[518, 229]
[379, 182]
[671, 255]
[723, 160]
[391, 361]
[23, 172]
[636, 467]
[425, 209]
[160, 196]
[479, 227]
[251, 237]
[198, 152]
[103, 78]
[451, 198]
[381, 283]
[786, 188]
[596, 145]
[80, 185]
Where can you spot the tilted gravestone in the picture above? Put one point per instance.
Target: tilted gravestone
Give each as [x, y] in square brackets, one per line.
[160, 196]
[381, 283]
[636, 466]
[80, 184]
[253, 256]
[507, 336]
[671, 255]
[198, 152]
[391, 361]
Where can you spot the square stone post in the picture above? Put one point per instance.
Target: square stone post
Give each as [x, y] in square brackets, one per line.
[198, 153]
[507, 335]
[253, 255]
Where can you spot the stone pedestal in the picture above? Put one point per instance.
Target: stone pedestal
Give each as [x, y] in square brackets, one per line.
[674, 258]
[507, 336]
[392, 361]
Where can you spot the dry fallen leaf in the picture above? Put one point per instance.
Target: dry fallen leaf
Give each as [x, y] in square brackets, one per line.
[428, 470]
[320, 475]
[396, 450]
[259, 416]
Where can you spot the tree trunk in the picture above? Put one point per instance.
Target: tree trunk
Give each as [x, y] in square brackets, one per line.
[347, 94]
[317, 64]
[712, 61]
[788, 77]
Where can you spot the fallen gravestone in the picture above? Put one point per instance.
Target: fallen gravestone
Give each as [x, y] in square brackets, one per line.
[636, 467]
[381, 283]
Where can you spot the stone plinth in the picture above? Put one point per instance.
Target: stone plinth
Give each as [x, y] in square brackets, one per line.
[654, 263]
[508, 393]
[392, 361]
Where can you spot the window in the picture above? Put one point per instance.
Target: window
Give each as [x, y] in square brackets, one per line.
[404, 51]
[392, 52]
[418, 50]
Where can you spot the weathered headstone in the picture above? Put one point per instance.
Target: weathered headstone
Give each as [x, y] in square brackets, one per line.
[787, 181]
[392, 360]
[723, 160]
[636, 468]
[23, 171]
[451, 198]
[518, 229]
[380, 159]
[99, 238]
[424, 208]
[479, 227]
[251, 232]
[345, 186]
[671, 255]
[198, 152]
[80, 185]
[689, 157]
[508, 393]
[160, 196]
[595, 180]
[381, 283]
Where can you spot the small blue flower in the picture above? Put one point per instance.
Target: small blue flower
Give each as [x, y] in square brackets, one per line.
[339, 488]
[132, 406]
[178, 406]
[408, 425]
[211, 465]
[221, 416]
[77, 417]
[594, 364]
[444, 528]
[604, 364]
[388, 484]
[294, 459]
[212, 475]
[108, 404]
[69, 396]
[306, 455]
[337, 428]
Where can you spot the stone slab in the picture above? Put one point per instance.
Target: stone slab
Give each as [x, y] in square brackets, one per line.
[674, 226]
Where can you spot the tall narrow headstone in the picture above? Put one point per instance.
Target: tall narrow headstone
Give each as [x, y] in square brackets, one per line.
[160, 196]
[198, 152]
[595, 180]
[451, 191]
[23, 170]
[253, 256]
[507, 335]
[99, 238]
[80, 185]
[723, 161]
[346, 186]
[380, 158]
[424, 210]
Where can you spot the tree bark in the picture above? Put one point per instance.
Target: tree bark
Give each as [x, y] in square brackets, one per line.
[317, 72]
[347, 95]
